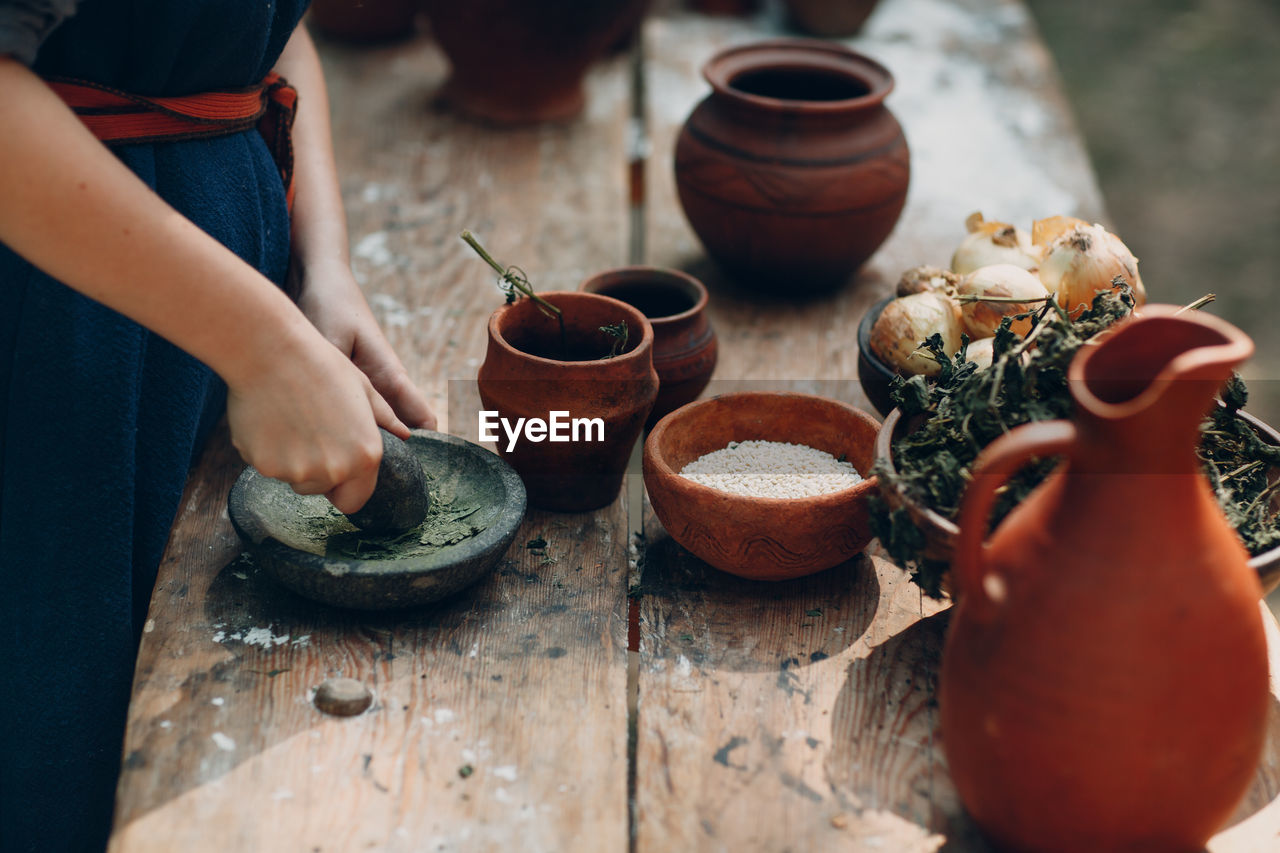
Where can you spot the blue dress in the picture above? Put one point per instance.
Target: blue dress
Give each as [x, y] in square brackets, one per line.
[100, 419]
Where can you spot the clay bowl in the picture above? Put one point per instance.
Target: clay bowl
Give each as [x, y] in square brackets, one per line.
[873, 373]
[940, 532]
[762, 538]
[308, 548]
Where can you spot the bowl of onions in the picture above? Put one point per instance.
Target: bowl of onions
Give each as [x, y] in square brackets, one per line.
[997, 271]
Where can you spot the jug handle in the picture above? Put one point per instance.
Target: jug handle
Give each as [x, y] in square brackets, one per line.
[999, 461]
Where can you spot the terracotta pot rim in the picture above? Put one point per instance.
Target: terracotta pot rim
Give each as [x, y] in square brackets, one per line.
[640, 352]
[642, 273]
[830, 500]
[811, 53]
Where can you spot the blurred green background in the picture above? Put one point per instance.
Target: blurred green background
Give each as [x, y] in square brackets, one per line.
[1179, 104]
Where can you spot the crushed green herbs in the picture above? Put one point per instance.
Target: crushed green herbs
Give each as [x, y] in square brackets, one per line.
[953, 418]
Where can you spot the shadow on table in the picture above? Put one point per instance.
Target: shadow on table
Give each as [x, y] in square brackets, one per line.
[718, 621]
[887, 754]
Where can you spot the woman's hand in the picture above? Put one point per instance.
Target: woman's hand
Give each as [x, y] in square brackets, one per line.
[332, 300]
[312, 420]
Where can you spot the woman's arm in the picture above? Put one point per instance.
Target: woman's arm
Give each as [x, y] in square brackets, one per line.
[328, 293]
[299, 410]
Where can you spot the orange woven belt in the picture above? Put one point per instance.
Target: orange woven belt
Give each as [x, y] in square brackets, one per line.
[119, 117]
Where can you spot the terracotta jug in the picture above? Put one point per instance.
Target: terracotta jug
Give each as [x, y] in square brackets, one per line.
[525, 375]
[1104, 681]
[684, 344]
[792, 171]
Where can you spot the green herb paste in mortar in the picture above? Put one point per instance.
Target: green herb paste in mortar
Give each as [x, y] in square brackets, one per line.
[327, 531]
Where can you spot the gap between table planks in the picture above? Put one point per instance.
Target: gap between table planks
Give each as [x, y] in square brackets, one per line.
[800, 716]
[521, 678]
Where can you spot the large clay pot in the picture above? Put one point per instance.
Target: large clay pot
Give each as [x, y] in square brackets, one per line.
[792, 171]
[725, 7]
[517, 62]
[830, 18]
[366, 21]
[525, 374]
[1104, 682]
[684, 344]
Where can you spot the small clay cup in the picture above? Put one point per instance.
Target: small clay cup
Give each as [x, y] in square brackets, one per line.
[792, 172]
[684, 344]
[525, 375]
[364, 21]
[762, 538]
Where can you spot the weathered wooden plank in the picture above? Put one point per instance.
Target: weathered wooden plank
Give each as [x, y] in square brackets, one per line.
[800, 716]
[499, 717]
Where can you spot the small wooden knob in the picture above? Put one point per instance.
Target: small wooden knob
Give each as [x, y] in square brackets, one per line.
[343, 697]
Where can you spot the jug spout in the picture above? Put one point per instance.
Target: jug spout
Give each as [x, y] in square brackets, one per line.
[1148, 384]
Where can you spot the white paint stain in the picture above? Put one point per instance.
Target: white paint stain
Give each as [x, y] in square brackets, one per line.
[149, 627]
[263, 637]
[223, 742]
[506, 772]
[475, 649]
[217, 701]
[281, 794]
[444, 716]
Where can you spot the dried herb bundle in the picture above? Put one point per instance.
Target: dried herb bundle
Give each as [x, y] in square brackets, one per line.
[966, 409]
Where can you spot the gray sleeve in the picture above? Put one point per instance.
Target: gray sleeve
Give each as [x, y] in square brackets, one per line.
[25, 24]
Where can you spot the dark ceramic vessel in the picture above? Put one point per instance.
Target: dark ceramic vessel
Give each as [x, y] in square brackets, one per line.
[684, 344]
[725, 7]
[762, 538]
[518, 62]
[364, 21]
[830, 18]
[792, 171]
[525, 375]
[873, 373]
[288, 534]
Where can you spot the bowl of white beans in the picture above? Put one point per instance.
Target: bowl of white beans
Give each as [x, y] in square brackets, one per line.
[764, 485]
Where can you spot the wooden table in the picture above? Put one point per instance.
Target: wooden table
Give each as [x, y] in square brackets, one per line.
[794, 716]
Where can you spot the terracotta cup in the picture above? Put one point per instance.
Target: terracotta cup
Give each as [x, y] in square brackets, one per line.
[365, 21]
[684, 344]
[519, 62]
[526, 374]
[792, 171]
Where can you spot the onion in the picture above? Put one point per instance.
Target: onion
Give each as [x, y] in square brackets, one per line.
[1002, 281]
[993, 243]
[906, 321]
[1045, 231]
[981, 352]
[922, 278]
[1085, 260]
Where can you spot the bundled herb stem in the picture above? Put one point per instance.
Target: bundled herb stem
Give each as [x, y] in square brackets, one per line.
[966, 409]
[513, 281]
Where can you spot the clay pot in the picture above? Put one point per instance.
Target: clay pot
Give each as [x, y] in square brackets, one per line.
[517, 62]
[830, 18]
[792, 171]
[525, 375]
[365, 21]
[684, 344]
[1104, 681]
[725, 7]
